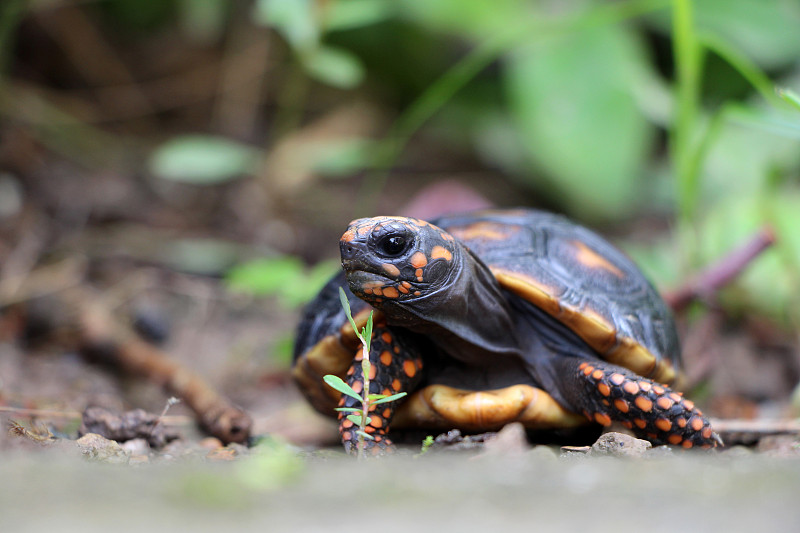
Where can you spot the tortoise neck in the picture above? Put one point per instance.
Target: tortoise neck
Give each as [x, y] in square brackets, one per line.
[468, 319]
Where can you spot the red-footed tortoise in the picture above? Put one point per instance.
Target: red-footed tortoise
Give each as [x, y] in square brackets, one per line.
[493, 317]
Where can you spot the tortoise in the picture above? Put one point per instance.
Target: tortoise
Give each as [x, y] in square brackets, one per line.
[491, 317]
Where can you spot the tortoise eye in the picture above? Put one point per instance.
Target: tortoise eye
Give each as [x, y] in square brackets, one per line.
[392, 245]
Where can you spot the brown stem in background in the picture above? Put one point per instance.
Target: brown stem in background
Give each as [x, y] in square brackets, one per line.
[720, 273]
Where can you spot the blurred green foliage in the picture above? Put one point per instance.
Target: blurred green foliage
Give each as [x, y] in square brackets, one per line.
[607, 109]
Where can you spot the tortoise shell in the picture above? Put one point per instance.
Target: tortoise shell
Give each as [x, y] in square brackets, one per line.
[580, 279]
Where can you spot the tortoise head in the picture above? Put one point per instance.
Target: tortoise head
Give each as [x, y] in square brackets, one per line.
[397, 259]
[422, 279]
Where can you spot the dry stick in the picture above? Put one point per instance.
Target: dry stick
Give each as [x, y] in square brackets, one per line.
[100, 338]
[720, 273]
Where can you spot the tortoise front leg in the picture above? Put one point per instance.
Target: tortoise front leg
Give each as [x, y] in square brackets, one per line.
[604, 392]
[395, 367]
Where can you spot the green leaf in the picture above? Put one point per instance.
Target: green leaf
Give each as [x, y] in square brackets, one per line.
[348, 409]
[202, 160]
[391, 398]
[337, 383]
[352, 14]
[356, 419]
[296, 20]
[367, 333]
[334, 66]
[346, 306]
[578, 116]
[365, 434]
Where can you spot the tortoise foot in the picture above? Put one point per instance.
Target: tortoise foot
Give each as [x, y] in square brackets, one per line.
[652, 411]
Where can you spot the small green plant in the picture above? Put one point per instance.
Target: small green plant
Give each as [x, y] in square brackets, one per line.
[426, 444]
[360, 415]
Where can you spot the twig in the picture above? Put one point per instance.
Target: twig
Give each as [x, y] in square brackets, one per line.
[721, 273]
[756, 427]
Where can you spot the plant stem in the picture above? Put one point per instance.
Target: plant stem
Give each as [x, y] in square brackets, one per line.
[688, 62]
[365, 367]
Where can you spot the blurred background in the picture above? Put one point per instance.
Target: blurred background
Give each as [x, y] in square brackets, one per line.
[199, 159]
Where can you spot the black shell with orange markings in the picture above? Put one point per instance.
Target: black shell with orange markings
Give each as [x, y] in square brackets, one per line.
[577, 277]
[563, 269]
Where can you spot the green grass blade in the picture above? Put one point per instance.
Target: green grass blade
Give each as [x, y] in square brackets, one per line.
[364, 434]
[348, 409]
[789, 96]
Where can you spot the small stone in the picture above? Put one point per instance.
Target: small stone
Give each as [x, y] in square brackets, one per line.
[619, 445]
[511, 440]
[136, 447]
[98, 448]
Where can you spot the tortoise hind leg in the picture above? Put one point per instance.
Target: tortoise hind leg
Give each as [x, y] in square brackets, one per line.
[604, 392]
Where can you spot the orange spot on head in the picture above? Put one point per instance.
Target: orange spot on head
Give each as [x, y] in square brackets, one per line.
[597, 374]
[696, 423]
[621, 405]
[406, 284]
[402, 289]
[640, 423]
[617, 379]
[386, 336]
[663, 424]
[348, 235]
[417, 293]
[377, 291]
[418, 273]
[409, 368]
[446, 236]
[644, 404]
[602, 419]
[396, 349]
[674, 439]
[440, 252]
[386, 358]
[604, 389]
[418, 260]
[664, 403]
[391, 269]
[631, 388]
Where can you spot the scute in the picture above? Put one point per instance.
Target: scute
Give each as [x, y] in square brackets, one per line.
[577, 277]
